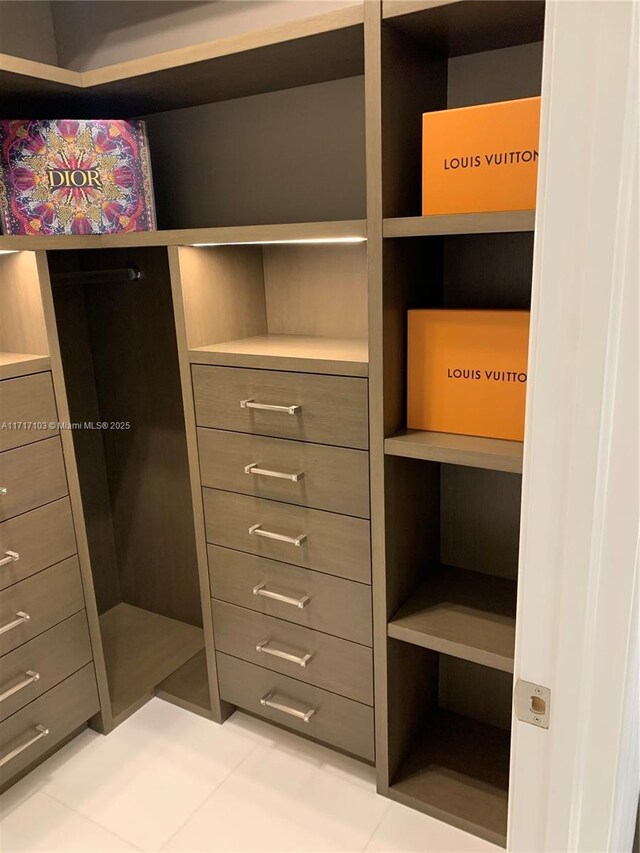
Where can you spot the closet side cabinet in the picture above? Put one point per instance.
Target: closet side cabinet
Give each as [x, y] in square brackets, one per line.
[48, 688]
[273, 345]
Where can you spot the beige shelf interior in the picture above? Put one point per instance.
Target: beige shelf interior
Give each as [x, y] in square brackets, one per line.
[141, 650]
[236, 234]
[342, 356]
[461, 613]
[24, 347]
[20, 364]
[287, 307]
[460, 223]
[475, 451]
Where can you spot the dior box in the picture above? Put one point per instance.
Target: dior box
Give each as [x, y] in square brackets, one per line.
[73, 176]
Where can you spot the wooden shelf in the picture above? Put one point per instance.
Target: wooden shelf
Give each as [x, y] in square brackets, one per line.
[22, 81]
[14, 364]
[241, 234]
[453, 28]
[460, 223]
[321, 48]
[461, 613]
[141, 650]
[188, 686]
[494, 454]
[299, 353]
[458, 772]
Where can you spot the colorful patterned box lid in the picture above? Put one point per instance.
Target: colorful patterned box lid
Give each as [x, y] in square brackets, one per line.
[74, 176]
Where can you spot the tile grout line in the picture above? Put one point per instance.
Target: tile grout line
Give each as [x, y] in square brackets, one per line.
[213, 791]
[378, 824]
[77, 813]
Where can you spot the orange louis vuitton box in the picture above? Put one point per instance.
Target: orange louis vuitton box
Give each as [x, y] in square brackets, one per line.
[482, 158]
[467, 372]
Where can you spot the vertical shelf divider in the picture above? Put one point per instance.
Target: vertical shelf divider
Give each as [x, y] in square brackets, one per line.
[373, 124]
[220, 710]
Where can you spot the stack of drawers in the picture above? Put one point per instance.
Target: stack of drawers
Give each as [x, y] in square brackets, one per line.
[285, 473]
[47, 680]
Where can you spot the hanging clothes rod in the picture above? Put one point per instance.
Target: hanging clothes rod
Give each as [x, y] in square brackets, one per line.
[116, 276]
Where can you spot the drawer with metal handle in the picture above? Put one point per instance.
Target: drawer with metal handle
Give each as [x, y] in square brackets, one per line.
[328, 662]
[319, 601]
[40, 664]
[31, 476]
[28, 409]
[36, 728]
[322, 715]
[38, 603]
[34, 540]
[335, 544]
[313, 475]
[302, 406]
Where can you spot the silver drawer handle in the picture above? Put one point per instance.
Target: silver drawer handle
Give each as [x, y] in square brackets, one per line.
[3, 491]
[11, 557]
[21, 618]
[264, 472]
[43, 731]
[278, 596]
[256, 530]
[31, 676]
[305, 716]
[267, 407]
[278, 653]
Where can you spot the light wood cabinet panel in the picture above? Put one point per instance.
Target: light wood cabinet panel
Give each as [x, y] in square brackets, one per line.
[52, 657]
[332, 719]
[58, 712]
[315, 658]
[335, 544]
[40, 538]
[31, 476]
[329, 478]
[45, 599]
[333, 605]
[330, 409]
[29, 401]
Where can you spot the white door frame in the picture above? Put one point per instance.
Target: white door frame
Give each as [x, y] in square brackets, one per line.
[574, 786]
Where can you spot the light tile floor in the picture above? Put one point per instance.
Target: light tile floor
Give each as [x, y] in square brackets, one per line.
[169, 780]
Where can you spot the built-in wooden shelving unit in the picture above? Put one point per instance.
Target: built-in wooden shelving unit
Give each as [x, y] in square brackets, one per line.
[350, 230]
[454, 28]
[133, 476]
[460, 223]
[337, 356]
[18, 363]
[475, 451]
[299, 53]
[444, 508]
[461, 613]
[457, 770]
[141, 650]
[24, 346]
[188, 686]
